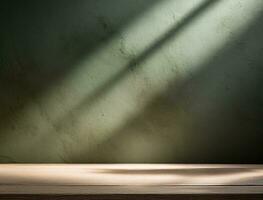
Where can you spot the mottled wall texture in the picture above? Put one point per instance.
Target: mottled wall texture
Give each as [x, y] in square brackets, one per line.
[145, 81]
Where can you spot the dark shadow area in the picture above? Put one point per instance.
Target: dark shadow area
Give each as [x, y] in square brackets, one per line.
[214, 116]
[42, 41]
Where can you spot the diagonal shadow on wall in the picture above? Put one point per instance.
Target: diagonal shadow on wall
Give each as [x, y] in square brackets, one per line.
[215, 116]
[135, 63]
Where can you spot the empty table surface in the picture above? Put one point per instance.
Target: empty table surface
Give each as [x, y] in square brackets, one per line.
[130, 179]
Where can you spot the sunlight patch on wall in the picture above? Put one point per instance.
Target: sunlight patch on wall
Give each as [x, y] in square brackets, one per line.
[74, 115]
[199, 41]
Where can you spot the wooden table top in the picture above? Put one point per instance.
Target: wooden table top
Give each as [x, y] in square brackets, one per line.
[130, 179]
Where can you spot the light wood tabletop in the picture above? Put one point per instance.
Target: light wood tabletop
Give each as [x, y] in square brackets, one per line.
[130, 179]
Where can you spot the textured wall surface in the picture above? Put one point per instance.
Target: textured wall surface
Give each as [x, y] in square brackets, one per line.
[131, 81]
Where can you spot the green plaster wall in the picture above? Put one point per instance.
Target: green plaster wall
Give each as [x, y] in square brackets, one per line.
[131, 81]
